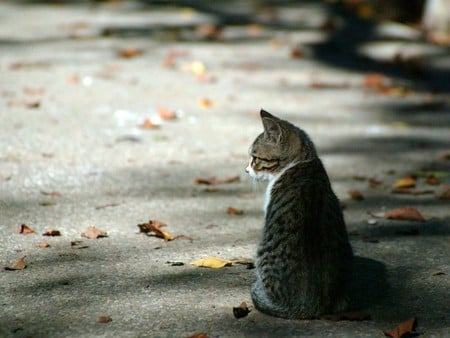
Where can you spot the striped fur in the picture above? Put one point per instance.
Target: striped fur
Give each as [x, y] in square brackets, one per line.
[304, 260]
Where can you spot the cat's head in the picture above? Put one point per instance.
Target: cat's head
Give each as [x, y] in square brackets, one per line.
[280, 145]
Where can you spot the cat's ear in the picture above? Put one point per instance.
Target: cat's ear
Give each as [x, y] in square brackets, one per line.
[272, 127]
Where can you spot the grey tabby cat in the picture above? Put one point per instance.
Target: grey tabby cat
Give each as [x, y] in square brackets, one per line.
[304, 261]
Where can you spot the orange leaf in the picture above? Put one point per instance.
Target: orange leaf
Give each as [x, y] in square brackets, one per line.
[199, 335]
[205, 103]
[26, 230]
[374, 81]
[148, 124]
[129, 52]
[155, 227]
[234, 211]
[296, 53]
[166, 114]
[403, 328]
[356, 195]
[93, 233]
[406, 214]
[17, 265]
[406, 182]
[52, 233]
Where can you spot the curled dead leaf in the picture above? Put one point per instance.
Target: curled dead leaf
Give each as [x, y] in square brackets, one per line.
[52, 233]
[154, 226]
[356, 195]
[26, 230]
[296, 53]
[404, 214]
[406, 182]
[129, 52]
[215, 181]
[104, 319]
[205, 103]
[402, 329]
[19, 264]
[93, 233]
[199, 335]
[241, 311]
[211, 262]
[234, 211]
[148, 124]
[166, 114]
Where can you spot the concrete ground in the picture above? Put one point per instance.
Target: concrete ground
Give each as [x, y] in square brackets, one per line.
[73, 154]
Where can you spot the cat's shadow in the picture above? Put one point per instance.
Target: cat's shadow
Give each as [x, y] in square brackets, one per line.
[369, 283]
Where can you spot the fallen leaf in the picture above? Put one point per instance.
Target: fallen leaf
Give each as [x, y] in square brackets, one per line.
[212, 262]
[439, 273]
[234, 211]
[403, 328]
[26, 230]
[211, 190]
[373, 183]
[205, 103]
[148, 124]
[444, 192]
[199, 335]
[17, 265]
[405, 214]
[104, 319]
[47, 203]
[208, 31]
[77, 245]
[165, 114]
[254, 30]
[154, 226]
[129, 52]
[356, 195]
[241, 311]
[33, 91]
[93, 233]
[316, 84]
[445, 155]
[43, 245]
[374, 81]
[248, 262]
[50, 193]
[351, 316]
[215, 181]
[432, 180]
[406, 182]
[25, 104]
[103, 206]
[296, 53]
[52, 233]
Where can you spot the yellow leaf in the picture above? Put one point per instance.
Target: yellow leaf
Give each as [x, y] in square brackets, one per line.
[211, 262]
[407, 182]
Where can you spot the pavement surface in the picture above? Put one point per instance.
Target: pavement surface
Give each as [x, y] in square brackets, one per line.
[82, 90]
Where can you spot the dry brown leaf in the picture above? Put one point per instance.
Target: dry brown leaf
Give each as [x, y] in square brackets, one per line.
[104, 319]
[208, 31]
[374, 81]
[406, 327]
[50, 193]
[404, 214]
[199, 335]
[166, 114]
[26, 230]
[19, 264]
[444, 192]
[25, 104]
[93, 233]
[241, 311]
[129, 52]
[52, 233]
[356, 195]
[215, 181]
[296, 53]
[373, 183]
[406, 182]
[211, 262]
[432, 180]
[154, 226]
[205, 103]
[351, 316]
[43, 245]
[234, 211]
[148, 124]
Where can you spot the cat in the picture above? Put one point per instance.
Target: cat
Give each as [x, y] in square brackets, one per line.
[304, 260]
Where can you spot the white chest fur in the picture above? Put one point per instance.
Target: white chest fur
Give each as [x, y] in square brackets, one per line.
[272, 180]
